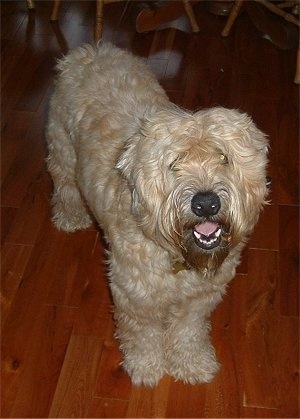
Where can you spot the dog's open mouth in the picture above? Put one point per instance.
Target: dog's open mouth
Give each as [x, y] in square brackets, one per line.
[207, 235]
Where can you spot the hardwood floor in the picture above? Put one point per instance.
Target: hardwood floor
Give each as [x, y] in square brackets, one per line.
[59, 357]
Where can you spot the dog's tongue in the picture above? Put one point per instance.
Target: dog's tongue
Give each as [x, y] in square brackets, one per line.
[207, 228]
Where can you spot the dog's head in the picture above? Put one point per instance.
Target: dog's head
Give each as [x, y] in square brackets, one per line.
[198, 181]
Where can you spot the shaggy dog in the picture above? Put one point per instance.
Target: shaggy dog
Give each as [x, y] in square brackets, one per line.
[176, 193]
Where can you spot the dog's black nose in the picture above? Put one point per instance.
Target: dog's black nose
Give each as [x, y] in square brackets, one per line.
[205, 204]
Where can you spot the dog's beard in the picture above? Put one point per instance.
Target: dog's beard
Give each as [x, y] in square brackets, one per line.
[203, 242]
[205, 245]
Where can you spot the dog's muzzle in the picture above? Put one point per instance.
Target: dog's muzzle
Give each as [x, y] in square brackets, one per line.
[207, 234]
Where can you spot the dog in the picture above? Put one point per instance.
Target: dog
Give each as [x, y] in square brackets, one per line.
[176, 193]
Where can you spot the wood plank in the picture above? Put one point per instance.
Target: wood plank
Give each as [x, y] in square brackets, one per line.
[30, 299]
[287, 354]
[186, 401]
[17, 81]
[7, 218]
[95, 316]
[107, 408]
[14, 259]
[77, 379]
[265, 235]
[228, 322]
[33, 212]
[13, 134]
[70, 276]
[261, 379]
[44, 360]
[34, 92]
[148, 402]
[112, 381]
[259, 412]
[289, 260]
[27, 165]
[287, 150]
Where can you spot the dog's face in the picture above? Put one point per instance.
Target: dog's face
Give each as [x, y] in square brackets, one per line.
[198, 181]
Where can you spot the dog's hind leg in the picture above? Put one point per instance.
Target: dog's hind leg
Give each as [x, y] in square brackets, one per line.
[68, 207]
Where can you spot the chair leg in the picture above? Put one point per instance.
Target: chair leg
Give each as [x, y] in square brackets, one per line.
[279, 12]
[54, 14]
[99, 20]
[232, 17]
[191, 15]
[30, 4]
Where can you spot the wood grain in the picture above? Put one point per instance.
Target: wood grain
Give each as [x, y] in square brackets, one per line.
[77, 379]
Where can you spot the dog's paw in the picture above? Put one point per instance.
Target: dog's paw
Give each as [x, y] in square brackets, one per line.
[144, 371]
[193, 368]
[70, 218]
[71, 223]
[69, 210]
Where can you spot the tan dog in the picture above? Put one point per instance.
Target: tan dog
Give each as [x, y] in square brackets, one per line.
[177, 194]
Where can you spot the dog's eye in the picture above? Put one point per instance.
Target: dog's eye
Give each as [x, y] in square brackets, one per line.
[223, 158]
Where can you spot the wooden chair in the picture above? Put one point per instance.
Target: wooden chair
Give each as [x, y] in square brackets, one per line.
[153, 18]
[278, 9]
[100, 10]
[98, 17]
[190, 14]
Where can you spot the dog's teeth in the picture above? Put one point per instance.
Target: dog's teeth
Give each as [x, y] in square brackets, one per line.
[218, 232]
[197, 235]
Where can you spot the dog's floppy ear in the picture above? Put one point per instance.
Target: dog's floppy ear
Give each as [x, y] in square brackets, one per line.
[125, 166]
[126, 159]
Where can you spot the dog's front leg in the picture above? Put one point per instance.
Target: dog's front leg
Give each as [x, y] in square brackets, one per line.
[190, 355]
[141, 339]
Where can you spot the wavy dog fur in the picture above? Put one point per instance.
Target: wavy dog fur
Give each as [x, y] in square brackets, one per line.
[177, 194]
